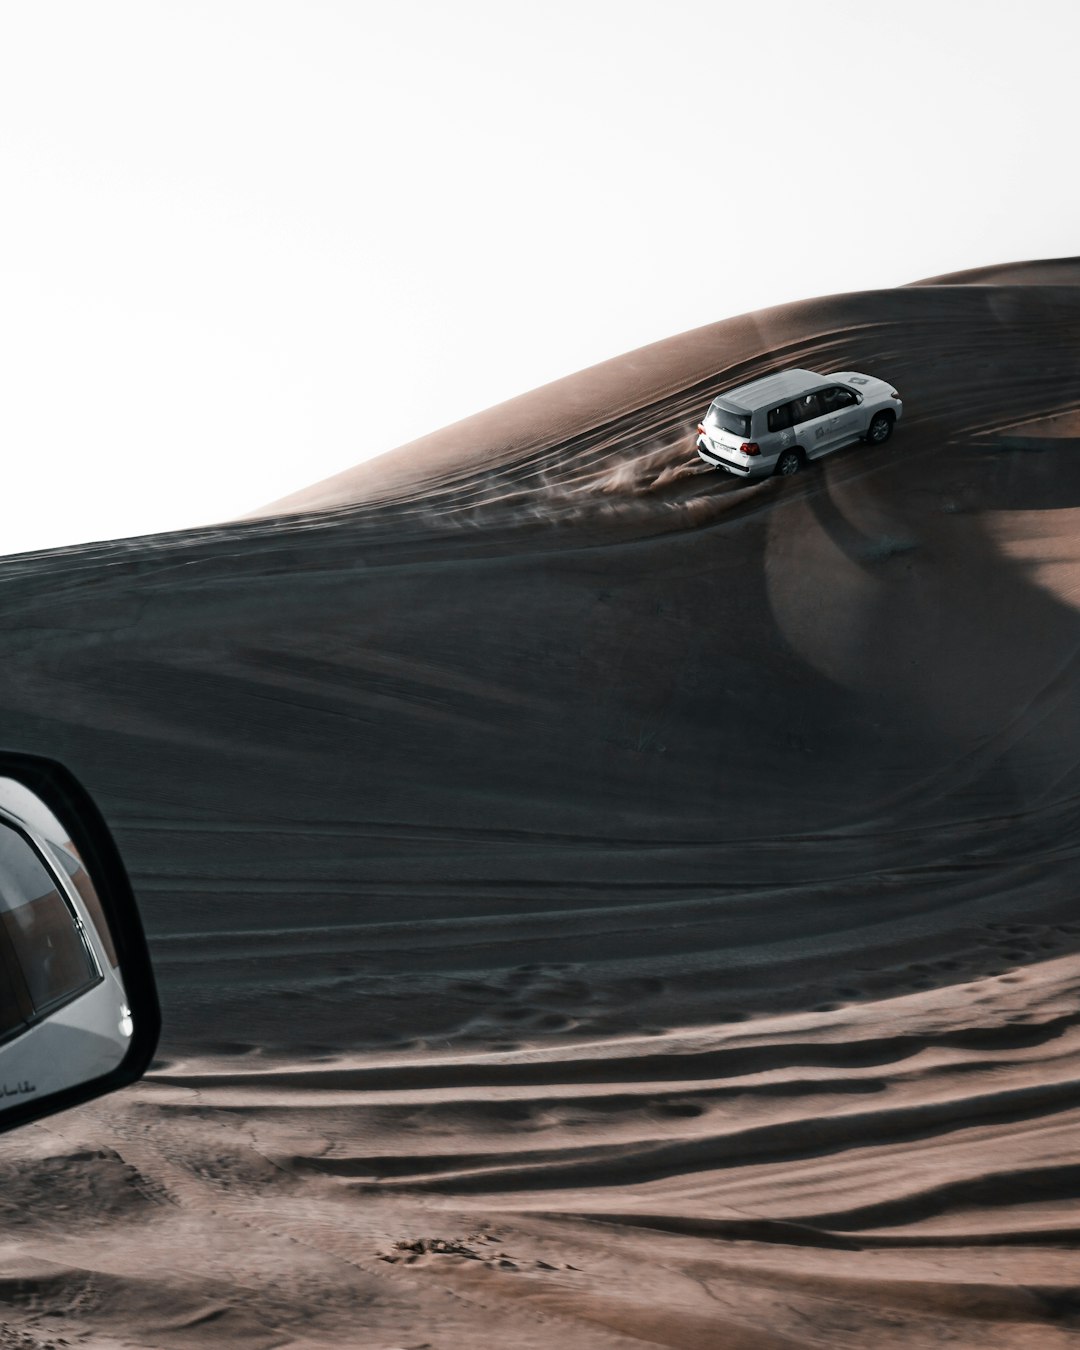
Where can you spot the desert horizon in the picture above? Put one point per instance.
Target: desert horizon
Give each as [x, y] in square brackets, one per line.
[595, 901]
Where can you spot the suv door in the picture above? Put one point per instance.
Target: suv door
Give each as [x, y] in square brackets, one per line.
[843, 416]
[810, 421]
[780, 433]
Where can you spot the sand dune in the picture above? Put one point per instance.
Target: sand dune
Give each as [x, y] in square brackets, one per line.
[596, 903]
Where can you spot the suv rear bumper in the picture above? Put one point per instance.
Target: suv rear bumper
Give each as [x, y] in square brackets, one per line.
[719, 462]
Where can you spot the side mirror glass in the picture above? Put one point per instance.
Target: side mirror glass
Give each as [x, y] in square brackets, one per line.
[79, 1014]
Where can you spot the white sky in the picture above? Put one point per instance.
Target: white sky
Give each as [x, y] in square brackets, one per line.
[245, 244]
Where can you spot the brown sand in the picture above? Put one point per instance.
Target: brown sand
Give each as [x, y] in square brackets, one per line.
[660, 892]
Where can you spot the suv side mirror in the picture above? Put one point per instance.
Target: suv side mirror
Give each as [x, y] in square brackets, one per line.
[79, 1013]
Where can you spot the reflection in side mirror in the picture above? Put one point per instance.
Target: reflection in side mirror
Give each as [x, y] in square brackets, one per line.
[78, 1009]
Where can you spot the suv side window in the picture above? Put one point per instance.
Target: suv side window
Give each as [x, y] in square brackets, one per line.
[832, 400]
[45, 960]
[805, 408]
[780, 418]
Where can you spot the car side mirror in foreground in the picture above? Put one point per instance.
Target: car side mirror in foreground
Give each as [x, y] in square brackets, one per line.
[79, 1012]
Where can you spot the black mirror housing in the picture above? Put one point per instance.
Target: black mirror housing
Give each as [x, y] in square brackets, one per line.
[79, 1013]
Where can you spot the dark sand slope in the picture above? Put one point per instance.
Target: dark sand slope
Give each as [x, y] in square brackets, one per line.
[663, 891]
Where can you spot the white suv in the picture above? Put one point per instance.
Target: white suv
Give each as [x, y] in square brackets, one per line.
[776, 424]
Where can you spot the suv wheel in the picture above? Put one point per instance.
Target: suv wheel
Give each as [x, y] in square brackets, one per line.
[880, 429]
[789, 462]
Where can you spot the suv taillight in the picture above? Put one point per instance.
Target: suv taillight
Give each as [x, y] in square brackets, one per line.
[750, 448]
[701, 428]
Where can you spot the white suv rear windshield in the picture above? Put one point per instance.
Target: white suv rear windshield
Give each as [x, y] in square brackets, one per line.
[731, 419]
